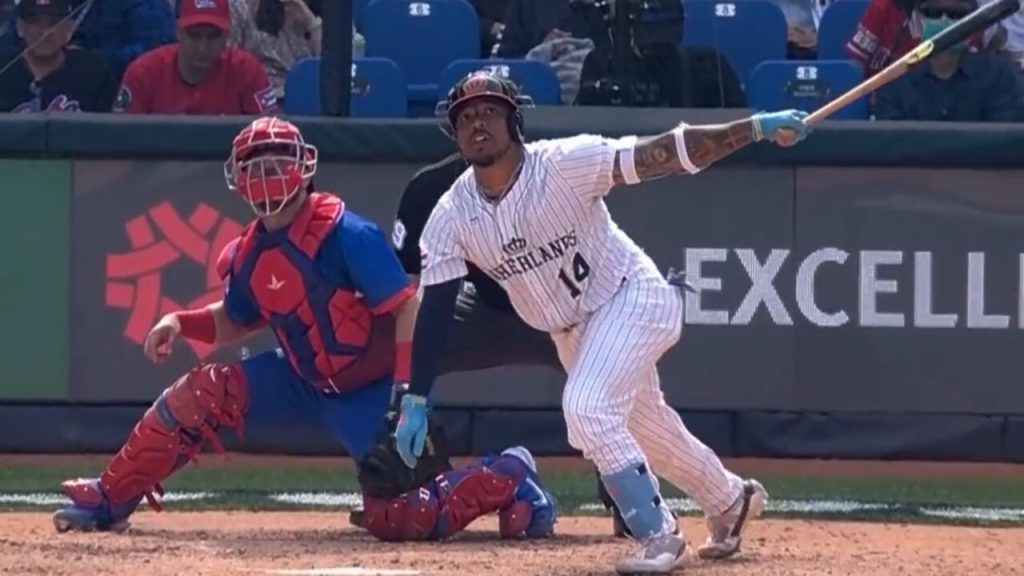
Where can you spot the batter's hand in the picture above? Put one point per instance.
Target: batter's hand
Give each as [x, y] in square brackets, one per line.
[411, 431]
[161, 338]
[785, 128]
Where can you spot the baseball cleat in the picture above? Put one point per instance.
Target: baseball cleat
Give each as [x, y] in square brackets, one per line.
[535, 512]
[75, 519]
[90, 511]
[658, 555]
[357, 518]
[726, 531]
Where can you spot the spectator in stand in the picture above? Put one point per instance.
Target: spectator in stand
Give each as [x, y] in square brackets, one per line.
[529, 23]
[280, 33]
[200, 74]
[6, 17]
[886, 32]
[889, 29]
[959, 85]
[492, 23]
[1009, 40]
[802, 20]
[52, 77]
[118, 30]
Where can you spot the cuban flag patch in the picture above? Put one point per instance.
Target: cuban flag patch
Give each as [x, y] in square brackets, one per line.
[265, 99]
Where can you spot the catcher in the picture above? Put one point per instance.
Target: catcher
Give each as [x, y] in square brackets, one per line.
[328, 284]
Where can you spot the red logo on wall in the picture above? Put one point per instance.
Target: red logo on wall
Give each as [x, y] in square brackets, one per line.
[160, 238]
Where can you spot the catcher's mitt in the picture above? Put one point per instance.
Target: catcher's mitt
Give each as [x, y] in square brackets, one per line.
[383, 474]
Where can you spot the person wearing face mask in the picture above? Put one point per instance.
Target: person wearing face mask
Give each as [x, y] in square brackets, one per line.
[959, 85]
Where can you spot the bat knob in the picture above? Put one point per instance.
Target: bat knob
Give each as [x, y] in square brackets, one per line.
[785, 137]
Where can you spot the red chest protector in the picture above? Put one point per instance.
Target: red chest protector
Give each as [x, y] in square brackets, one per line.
[298, 283]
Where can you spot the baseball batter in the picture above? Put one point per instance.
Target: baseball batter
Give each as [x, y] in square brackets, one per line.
[327, 283]
[486, 331]
[533, 217]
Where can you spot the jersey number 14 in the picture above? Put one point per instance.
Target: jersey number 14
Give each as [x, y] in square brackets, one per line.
[580, 271]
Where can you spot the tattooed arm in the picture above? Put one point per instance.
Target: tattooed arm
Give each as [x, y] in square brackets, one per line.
[658, 156]
[690, 149]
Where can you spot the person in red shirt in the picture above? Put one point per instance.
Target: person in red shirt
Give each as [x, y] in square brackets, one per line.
[886, 32]
[889, 29]
[200, 74]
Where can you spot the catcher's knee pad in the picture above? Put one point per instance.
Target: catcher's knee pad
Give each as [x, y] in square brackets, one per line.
[410, 517]
[468, 494]
[172, 430]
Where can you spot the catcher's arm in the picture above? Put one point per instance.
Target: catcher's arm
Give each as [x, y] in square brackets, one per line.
[684, 149]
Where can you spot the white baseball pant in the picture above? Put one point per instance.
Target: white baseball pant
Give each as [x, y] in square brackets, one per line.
[614, 408]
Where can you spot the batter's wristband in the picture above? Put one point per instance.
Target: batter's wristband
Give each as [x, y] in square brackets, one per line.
[681, 153]
[627, 159]
[198, 325]
[403, 362]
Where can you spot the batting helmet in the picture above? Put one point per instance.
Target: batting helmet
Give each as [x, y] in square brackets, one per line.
[485, 83]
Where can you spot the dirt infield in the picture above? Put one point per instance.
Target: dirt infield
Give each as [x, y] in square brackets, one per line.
[221, 543]
[322, 543]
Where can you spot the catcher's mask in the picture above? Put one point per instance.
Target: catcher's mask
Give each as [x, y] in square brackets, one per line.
[269, 164]
[484, 84]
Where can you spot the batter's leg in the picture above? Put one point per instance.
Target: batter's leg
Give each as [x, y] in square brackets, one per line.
[628, 335]
[172, 432]
[681, 458]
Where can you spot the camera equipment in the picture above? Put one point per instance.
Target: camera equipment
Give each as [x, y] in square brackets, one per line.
[638, 41]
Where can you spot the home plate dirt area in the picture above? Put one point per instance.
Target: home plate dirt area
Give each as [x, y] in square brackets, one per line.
[322, 543]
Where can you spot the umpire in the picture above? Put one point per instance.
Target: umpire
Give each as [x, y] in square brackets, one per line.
[488, 332]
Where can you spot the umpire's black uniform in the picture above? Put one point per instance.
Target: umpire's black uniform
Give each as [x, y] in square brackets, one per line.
[488, 332]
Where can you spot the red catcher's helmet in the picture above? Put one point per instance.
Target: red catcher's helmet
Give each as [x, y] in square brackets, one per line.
[269, 164]
[485, 83]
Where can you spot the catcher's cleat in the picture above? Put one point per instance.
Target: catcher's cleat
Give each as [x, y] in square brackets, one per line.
[357, 518]
[534, 513]
[90, 510]
[726, 530]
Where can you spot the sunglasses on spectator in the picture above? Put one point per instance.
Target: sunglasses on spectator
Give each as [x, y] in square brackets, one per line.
[937, 12]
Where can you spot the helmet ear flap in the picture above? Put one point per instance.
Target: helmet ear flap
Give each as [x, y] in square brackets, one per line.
[515, 126]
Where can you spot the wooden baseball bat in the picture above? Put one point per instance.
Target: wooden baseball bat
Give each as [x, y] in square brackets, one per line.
[960, 31]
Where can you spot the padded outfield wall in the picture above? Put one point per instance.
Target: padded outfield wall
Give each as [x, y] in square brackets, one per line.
[861, 295]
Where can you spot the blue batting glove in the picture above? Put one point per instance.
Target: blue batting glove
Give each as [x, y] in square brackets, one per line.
[785, 128]
[411, 432]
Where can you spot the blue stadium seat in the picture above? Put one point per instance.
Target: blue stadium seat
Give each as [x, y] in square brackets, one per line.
[422, 37]
[838, 24]
[746, 32]
[378, 89]
[302, 88]
[358, 10]
[805, 85]
[535, 78]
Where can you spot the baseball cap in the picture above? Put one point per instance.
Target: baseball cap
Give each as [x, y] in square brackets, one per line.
[25, 8]
[213, 12]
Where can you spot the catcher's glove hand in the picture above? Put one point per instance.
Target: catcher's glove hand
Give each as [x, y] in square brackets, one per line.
[383, 474]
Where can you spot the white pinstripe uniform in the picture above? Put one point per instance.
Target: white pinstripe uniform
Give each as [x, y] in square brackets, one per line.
[571, 271]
